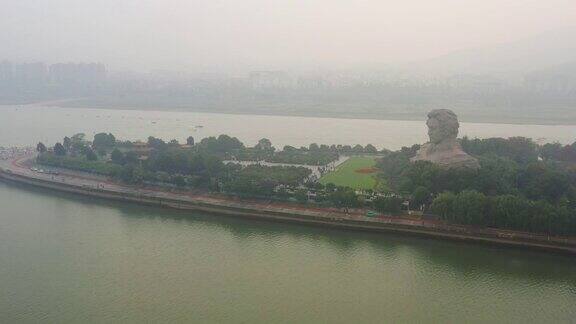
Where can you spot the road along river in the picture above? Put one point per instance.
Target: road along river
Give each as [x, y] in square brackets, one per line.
[18, 170]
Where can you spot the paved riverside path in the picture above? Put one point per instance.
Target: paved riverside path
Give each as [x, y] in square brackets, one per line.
[317, 170]
[19, 164]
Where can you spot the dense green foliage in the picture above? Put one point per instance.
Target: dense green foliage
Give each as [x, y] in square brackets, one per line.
[519, 149]
[103, 140]
[196, 166]
[520, 185]
[200, 165]
[59, 149]
[220, 145]
[512, 189]
[558, 152]
[261, 181]
[389, 205]
[79, 164]
[343, 197]
[505, 211]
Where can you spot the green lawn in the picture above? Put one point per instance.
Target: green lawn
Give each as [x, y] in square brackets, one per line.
[346, 175]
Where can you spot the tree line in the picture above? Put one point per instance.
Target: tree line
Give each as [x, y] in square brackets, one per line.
[518, 186]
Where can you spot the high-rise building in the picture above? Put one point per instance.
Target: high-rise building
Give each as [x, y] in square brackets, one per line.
[77, 74]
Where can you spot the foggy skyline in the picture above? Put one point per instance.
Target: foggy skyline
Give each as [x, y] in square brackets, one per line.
[234, 36]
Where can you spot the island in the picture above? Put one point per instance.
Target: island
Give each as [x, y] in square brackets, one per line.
[511, 192]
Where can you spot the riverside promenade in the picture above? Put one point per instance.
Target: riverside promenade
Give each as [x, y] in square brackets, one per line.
[19, 168]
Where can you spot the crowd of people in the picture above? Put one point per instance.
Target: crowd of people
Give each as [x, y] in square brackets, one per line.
[8, 153]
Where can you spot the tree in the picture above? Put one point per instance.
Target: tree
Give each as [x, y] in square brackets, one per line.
[79, 137]
[330, 187]
[190, 141]
[420, 174]
[497, 176]
[103, 141]
[162, 176]
[301, 196]
[264, 144]
[67, 143]
[520, 149]
[344, 197]
[127, 174]
[509, 211]
[131, 158]
[391, 205]
[156, 143]
[41, 148]
[59, 149]
[420, 196]
[370, 149]
[132, 174]
[78, 144]
[468, 207]
[443, 205]
[551, 151]
[117, 157]
[91, 155]
[222, 144]
[358, 149]
[179, 181]
[227, 143]
[543, 181]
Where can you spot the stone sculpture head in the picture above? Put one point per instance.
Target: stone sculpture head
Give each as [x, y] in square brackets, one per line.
[442, 125]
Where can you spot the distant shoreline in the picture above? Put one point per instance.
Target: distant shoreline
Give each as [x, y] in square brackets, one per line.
[466, 117]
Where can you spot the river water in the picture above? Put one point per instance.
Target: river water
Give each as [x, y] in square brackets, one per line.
[70, 259]
[28, 125]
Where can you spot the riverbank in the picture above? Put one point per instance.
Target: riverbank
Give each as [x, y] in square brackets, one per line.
[14, 171]
[469, 114]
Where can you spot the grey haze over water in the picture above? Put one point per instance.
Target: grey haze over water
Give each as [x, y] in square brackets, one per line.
[495, 61]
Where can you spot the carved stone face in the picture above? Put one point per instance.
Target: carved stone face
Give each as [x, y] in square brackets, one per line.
[442, 125]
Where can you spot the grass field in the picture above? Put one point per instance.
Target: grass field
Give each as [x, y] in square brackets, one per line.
[350, 174]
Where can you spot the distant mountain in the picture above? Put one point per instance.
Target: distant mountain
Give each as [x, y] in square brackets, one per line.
[515, 58]
[566, 69]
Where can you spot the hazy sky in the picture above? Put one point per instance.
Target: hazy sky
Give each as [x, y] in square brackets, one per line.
[206, 35]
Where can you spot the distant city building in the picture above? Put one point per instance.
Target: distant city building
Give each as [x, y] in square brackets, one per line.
[83, 74]
[312, 83]
[34, 75]
[29, 74]
[6, 72]
[563, 83]
[270, 80]
[480, 84]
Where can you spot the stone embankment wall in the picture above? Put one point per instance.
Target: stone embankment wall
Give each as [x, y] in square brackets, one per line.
[517, 239]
